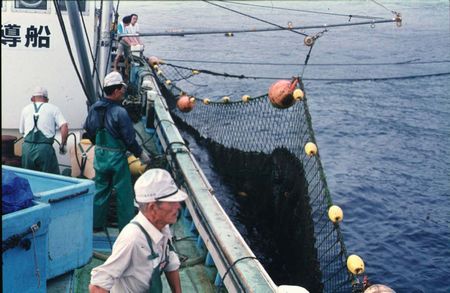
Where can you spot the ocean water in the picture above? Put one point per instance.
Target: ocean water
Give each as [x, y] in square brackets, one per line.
[384, 144]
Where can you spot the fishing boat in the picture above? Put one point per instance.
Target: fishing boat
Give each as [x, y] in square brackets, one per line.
[50, 246]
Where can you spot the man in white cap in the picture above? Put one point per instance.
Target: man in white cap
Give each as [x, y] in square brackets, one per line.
[110, 128]
[143, 249]
[38, 123]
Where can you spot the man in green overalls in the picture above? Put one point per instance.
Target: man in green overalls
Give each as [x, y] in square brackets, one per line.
[143, 249]
[38, 123]
[110, 128]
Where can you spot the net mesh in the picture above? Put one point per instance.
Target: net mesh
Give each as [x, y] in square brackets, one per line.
[259, 150]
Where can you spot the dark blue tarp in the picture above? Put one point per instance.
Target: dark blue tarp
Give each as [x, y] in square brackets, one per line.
[16, 192]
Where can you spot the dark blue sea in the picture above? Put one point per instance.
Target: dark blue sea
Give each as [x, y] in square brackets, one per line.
[384, 141]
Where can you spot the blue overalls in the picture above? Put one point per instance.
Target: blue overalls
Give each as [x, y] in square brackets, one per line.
[37, 150]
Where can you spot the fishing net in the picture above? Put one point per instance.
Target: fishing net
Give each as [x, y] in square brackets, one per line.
[259, 151]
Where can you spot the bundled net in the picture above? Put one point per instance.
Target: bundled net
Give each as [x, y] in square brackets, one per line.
[259, 151]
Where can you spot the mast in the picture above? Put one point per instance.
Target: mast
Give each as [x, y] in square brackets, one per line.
[105, 41]
[73, 12]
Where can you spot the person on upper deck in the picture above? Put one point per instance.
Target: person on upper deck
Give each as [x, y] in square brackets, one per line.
[134, 25]
[125, 42]
[143, 250]
[38, 123]
[110, 128]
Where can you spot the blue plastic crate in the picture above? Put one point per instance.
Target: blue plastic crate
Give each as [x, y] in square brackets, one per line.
[70, 230]
[24, 253]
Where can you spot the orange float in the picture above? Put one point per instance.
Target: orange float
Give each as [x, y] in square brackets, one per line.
[184, 104]
[281, 93]
[154, 61]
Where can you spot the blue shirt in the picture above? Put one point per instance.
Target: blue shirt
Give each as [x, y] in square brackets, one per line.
[117, 123]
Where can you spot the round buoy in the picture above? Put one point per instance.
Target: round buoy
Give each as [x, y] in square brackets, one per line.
[298, 94]
[184, 104]
[135, 165]
[226, 99]
[194, 72]
[168, 81]
[310, 149]
[280, 94]
[192, 100]
[245, 98]
[335, 214]
[154, 61]
[379, 288]
[206, 101]
[355, 264]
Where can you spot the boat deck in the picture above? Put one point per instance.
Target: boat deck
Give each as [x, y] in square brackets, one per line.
[197, 271]
[196, 275]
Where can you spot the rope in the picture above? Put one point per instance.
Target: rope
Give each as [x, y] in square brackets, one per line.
[393, 12]
[34, 228]
[307, 11]
[256, 18]
[14, 240]
[89, 42]
[69, 48]
[256, 30]
[407, 62]
[231, 266]
[241, 76]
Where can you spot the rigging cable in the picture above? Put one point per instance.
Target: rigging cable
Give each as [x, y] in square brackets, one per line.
[89, 42]
[392, 11]
[372, 21]
[241, 76]
[307, 11]
[69, 48]
[256, 18]
[258, 30]
[407, 62]
[97, 46]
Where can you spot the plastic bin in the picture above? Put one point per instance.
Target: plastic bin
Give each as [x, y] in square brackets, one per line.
[71, 212]
[24, 253]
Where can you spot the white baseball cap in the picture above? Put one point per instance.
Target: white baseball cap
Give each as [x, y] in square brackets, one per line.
[157, 185]
[113, 78]
[40, 91]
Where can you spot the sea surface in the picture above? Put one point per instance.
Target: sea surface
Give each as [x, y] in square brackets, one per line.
[384, 141]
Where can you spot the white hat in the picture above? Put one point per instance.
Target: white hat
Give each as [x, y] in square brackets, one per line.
[291, 289]
[40, 91]
[113, 78]
[157, 185]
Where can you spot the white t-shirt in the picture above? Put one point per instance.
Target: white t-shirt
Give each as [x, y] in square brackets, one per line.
[128, 269]
[50, 119]
[134, 29]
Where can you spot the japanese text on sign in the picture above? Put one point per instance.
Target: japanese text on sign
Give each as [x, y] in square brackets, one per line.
[35, 36]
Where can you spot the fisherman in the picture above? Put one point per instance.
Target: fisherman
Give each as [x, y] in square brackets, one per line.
[143, 250]
[110, 128]
[38, 123]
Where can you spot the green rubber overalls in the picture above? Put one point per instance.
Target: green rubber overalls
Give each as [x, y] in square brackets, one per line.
[155, 285]
[37, 150]
[111, 171]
